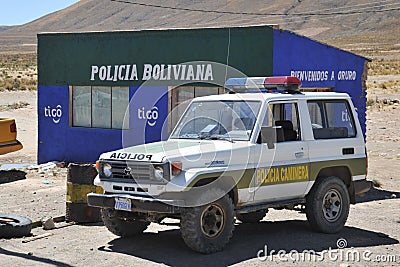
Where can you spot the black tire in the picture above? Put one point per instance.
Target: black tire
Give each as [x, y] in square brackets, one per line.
[122, 227]
[251, 217]
[328, 205]
[208, 228]
[14, 226]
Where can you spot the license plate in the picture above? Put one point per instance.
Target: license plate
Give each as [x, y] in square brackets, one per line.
[123, 204]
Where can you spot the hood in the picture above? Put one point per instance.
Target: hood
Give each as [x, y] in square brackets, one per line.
[193, 153]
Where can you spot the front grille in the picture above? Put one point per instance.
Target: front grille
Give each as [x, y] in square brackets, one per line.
[131, 171]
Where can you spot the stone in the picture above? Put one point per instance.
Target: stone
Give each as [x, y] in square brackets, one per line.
[49, 224]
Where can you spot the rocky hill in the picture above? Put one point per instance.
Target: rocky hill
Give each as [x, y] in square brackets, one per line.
[322, 20]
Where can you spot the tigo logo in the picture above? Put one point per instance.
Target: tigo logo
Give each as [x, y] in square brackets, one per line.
[150, 115]
[54, 113]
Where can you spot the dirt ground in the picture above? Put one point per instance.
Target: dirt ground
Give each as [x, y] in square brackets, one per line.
[372, 231]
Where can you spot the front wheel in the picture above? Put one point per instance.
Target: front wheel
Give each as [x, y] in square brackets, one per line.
[328, 205]
[208, 228]
[121, 227]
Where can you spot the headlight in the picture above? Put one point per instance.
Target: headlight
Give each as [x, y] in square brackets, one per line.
[159, 173]
[107, 170]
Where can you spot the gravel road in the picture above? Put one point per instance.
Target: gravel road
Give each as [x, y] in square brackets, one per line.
[372, 232]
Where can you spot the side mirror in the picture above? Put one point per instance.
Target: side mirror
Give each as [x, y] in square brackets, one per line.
[270, 135]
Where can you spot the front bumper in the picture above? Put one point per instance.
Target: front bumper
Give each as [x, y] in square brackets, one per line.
[10, 147]
[362, 186]
[139, 204]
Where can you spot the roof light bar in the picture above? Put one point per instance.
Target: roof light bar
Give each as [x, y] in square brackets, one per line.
[282, 80]
[286, 83]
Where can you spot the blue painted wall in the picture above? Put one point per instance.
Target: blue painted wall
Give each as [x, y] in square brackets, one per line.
[320, 65]
[60, 142]
[52, 136]
[148, 115]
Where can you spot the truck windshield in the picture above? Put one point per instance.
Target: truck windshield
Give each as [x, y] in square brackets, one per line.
[225, 120]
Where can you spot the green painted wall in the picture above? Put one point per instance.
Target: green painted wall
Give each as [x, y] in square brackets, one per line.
[67, 58]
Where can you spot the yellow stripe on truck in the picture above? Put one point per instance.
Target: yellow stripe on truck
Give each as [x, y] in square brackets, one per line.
[282, 174]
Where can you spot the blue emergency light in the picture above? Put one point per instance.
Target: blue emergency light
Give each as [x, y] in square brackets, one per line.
[288, 84]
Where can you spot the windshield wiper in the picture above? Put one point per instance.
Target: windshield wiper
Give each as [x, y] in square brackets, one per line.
[215, 137]
[189, 136]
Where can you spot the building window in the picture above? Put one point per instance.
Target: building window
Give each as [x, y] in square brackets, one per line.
[181, 96]
[100, 107]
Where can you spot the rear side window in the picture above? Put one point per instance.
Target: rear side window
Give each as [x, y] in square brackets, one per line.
[331, 119]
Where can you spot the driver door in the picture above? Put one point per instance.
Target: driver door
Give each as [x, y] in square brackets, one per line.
[282, 171]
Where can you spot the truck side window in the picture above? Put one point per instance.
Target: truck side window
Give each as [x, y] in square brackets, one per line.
[285, 116]
[331, 119]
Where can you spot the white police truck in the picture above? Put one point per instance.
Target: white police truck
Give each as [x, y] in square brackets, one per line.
[234, 156]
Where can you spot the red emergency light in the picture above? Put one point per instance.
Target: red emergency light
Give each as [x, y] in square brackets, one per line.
[282, 80]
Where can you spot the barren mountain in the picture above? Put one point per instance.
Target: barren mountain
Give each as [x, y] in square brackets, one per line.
[324, 19]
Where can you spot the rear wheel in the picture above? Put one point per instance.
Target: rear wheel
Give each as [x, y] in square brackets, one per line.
[122, 227]
[328, 205]
[208, 228]
[251, 217]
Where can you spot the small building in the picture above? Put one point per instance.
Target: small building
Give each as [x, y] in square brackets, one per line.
[100, 91]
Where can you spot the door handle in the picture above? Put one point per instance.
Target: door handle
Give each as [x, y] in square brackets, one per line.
[299, 154]
[348, 150]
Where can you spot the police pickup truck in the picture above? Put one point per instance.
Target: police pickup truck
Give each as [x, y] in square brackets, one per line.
[236, 156]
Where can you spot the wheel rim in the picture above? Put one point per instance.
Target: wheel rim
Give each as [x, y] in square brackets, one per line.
[332, 205]
[212, 220]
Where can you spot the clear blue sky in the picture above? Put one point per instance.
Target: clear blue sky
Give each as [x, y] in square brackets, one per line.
[17, 12]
